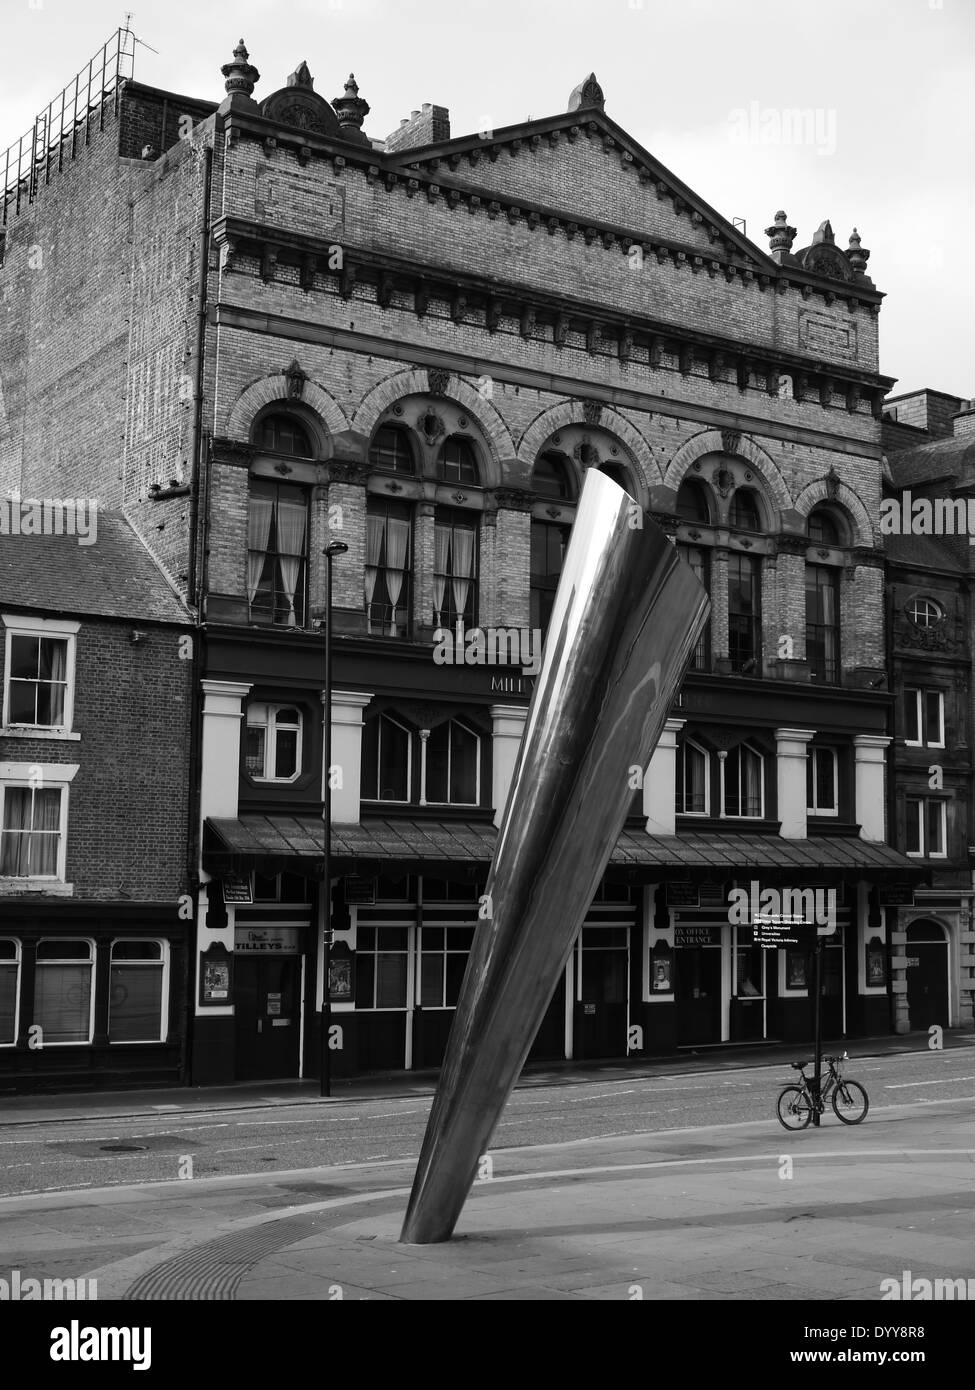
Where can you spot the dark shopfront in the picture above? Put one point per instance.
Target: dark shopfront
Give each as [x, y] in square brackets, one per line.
[91, 996]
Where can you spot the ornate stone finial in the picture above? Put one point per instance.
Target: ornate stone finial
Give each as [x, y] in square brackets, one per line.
[588, 93]
[241, 76]
[824, 233]
[351, 109]
[301, 77]
[780, 234]
[833, 482]
[856, 255]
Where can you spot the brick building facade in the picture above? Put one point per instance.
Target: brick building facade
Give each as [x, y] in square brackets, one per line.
[95, 910]
[296, 333]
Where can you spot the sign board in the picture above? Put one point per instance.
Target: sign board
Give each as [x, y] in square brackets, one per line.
[687, 935]
[895, 894]
[771, 935]
[683, 895]
[361, 890]
[237, 889]
[216, 975]
[280, 941]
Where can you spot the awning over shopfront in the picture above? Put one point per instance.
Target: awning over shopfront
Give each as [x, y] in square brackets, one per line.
[293, 844]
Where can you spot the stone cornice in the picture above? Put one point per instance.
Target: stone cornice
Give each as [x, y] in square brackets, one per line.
[726, 359]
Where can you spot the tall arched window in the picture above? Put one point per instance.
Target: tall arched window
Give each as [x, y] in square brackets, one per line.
[455, 545]
[458, 462]
[823, 601]
[692, 503]
[552, 477]
[744, 613]
[283, 434]
[823, 529]
[391, 450]
[619, 475]
[743, 512]
[388, 568]
[693, 771]
[699, 560]
[452, 772]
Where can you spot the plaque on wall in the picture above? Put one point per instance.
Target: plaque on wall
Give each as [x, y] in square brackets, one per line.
[681, 894]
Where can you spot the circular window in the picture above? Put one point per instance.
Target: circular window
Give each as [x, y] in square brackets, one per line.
[924, 612]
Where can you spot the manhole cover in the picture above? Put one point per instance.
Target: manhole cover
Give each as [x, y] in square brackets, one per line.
[123, 1148]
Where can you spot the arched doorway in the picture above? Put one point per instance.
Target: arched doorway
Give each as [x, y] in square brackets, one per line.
[927, 975]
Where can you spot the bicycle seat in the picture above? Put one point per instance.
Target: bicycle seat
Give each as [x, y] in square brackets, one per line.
[799, 1065]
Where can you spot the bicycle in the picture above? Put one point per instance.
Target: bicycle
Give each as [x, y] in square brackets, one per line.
[796, 1105]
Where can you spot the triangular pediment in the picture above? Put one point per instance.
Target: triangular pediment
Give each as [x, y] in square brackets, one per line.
[582, 165]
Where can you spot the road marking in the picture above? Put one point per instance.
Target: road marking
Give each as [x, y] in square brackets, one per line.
[947, 1081]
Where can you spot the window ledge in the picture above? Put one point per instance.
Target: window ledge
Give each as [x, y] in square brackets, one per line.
[59, 735]
[25, 887]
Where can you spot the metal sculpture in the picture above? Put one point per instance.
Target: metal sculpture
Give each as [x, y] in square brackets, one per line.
[627, 614]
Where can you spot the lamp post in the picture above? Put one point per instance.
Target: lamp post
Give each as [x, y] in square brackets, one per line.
[330, 551]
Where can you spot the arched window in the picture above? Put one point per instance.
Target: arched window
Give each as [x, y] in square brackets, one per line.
[699, 561]
[453, 765]
[692, 503]
[391, 450]
[742, 777]
[283, 434]
[617, 472]
[552, 477]
[823, 622]
[277, 552]
[388, 568]
[693, 767]
[744, 513]
[458, 462]
[387, 760]
[823, 530]
[549, 542]
[744, 613]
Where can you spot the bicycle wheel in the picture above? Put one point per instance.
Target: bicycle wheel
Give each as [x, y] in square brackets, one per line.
[794, 1108]
[850, 1102]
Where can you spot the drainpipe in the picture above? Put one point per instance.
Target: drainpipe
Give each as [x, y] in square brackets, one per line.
[199, 462]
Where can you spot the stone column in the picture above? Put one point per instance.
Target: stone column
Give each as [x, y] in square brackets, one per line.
[347, 718]
[719, 603]
[508, 726]
[790, 763]
[871, 801]
[660, 782]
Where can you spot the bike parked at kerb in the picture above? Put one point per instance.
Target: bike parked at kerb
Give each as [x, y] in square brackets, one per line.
[797, 1104]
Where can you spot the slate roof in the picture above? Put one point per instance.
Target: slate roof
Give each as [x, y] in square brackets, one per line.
[235, 843]
[953, 457]
[113, 577]
[925, 552]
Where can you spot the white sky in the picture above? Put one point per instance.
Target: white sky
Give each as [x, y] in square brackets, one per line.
[888, 84]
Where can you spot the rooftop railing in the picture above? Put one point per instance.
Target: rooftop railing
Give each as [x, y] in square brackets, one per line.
[65, 126]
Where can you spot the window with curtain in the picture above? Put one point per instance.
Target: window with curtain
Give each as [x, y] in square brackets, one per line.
[282, 434]
[823, 623]
[744, 792]
[63, 990]
[391, 450]
[135, 1007]
[9, 990]
[549, 542]
[692, 504]
[744, 612]
[693, 768]
[452, 767]
[387, 760]
[455, 542]
[389, 560]
[272, 742]
[381, 967]
[37, 683]
[458, 462]
[699, 561]
[30, 832]
[277, 553]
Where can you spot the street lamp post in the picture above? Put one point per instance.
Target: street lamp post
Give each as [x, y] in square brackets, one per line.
[330, 551]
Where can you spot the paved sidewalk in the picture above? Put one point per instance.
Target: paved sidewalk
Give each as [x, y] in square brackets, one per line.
[108, 1104]
[739, 1212]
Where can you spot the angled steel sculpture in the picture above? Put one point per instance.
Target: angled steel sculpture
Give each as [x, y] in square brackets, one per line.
[626, 617]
